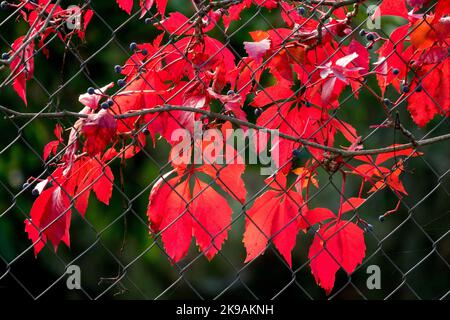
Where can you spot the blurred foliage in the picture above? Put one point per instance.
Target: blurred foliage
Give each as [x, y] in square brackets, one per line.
[396, 245]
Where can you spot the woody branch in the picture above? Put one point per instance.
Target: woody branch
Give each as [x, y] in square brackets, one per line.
[213, 115]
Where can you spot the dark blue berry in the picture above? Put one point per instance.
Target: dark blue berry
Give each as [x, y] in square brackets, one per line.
[133, 46]
[25, 186]
[35, 192]
[395, 71]
[118, 69]
[4, 5]
[362, 32]
[230, 92]
[91, 90]
[381, 218]
[387, 102]
[5, 56]
[258, 112]
[110, 102]
[144, 52]
[121, 82]
[145, 131]
[369, 227]
[148, 20]
[296, 153]
[370, 37]
[419, 88]
[105, 105]
[301, 10]
[308, 104]
[405, 88]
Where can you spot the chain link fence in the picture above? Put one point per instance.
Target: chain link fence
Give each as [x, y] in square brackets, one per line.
[112, 247]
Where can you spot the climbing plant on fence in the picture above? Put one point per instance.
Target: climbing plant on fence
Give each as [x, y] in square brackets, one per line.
[187, 85]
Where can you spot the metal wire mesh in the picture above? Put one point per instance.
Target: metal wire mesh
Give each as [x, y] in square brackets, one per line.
[111, 244]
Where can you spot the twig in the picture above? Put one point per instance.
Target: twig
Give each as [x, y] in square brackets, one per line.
[50, 115]
[333, 6]
[242, 123]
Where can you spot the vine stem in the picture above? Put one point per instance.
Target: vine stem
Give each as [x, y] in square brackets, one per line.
[239, 122]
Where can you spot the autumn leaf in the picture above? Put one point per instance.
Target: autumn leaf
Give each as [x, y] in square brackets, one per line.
[392, 8]
[434, 98]
[212, 218]
[417, 3]
[99, 129]
[425, 33]
[49, 219]
[91, 175]
[257, 50]
[442, 8]
[178, 213]
[22, 66]
[169, 215]
[338, 70]
[273, 217]
[125, 5]
[52, 146]
[92, 100]
[336, 245]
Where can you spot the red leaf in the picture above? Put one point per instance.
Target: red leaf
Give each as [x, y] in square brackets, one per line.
[145, 5]
[383, 157]
[234, 12]
[50, 214]
[92, 100]
[417, 3]
[271, 95]
[99, 130]
[432, 55]
[125, 5]
[50, 148]
[22, 66]
[335, 246]
[352, 204]
[257, 50]
[274, 216]
[176, 23]
[434, 98]
[341, 70]
[392, 8]
[168, 214]
[422, 108]
[442, 8]
[424, 34]
[232, 103]
[161, 4]
[392, 55]
[229, 179]
[207, 216]
[313, 216]
[104, 185]
[269, 4]
[212, 218]
[88, 175]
